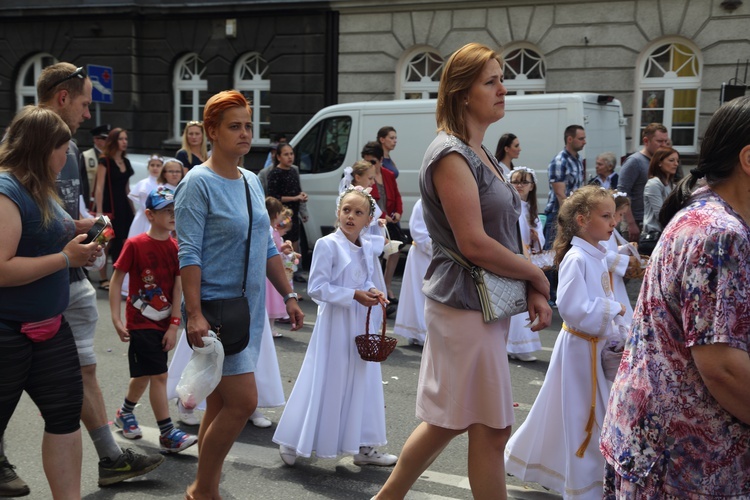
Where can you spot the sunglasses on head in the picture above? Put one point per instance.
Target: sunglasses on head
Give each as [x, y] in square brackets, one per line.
[78, 73]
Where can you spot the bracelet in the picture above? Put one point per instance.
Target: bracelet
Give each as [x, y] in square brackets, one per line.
[175, 321]
[67, 260]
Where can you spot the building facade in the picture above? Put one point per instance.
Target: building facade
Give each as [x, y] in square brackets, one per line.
[665, 60]
[168, 58]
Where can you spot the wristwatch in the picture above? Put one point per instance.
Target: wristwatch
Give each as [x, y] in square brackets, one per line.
[292, 295]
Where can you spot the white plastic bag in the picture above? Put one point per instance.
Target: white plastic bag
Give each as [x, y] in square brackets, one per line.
[202, 373]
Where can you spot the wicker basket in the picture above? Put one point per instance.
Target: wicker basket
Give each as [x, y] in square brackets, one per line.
[374, 347]
[637, 273]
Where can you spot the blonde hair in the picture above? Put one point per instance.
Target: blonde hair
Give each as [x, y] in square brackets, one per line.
[459, 74]
[32, 136]
[581, 202]
[204, 140]
[364, 194]
[360, 167]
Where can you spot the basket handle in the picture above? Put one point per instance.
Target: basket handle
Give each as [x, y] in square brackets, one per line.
[381, 301]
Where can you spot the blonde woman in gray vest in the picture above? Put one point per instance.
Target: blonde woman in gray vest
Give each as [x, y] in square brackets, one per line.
[471, 209]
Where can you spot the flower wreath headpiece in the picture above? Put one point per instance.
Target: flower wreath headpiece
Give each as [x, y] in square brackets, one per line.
[525, 169]
[364, 191]
[618, 194]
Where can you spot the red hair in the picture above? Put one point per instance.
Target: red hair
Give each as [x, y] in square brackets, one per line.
[215, 107]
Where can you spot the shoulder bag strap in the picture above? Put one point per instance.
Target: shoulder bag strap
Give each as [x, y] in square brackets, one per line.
[249, 231]
[454, 256]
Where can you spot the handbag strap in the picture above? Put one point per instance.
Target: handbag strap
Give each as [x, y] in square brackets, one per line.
[455, 257]
[249, 231]
[461, 261]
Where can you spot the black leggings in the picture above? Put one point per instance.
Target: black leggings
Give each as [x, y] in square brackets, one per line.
[48, 371]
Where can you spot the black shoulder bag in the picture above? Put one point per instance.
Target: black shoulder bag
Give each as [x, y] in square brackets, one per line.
[230, 318]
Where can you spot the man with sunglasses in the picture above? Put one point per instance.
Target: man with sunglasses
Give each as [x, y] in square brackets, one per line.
[66, 90]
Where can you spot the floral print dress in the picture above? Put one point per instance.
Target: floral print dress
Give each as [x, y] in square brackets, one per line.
[664, 432]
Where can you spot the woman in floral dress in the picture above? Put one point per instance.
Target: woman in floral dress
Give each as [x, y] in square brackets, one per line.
[678, 421]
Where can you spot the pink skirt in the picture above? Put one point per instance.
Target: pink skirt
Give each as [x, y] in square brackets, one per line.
[464, 377]
[274, 303]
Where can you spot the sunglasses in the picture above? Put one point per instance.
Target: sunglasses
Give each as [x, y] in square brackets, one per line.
[373, 162]
[78, 73]
[521, 183]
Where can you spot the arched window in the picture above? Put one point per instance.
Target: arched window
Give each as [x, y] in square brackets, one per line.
[251, 78]
[668, 92]
[27, 77]
[420, 74]
[525, 71]
[189, 92]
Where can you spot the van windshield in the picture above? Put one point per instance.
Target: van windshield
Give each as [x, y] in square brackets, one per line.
[323, 148]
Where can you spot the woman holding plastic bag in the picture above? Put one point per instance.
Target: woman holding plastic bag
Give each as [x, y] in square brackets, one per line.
[224, 241]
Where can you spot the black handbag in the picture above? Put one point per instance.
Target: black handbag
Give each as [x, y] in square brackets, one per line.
[647, 241]
[230, 318]
[397, 233]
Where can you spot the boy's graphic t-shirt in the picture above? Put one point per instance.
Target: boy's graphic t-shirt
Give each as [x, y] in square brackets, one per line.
[152, 265]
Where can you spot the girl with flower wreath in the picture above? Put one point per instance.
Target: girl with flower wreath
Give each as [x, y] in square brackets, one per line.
[337, 407]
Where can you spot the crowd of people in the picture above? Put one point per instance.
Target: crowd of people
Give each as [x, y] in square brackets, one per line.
[201, 234]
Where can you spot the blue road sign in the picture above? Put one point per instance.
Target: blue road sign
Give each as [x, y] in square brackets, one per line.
[101, 79]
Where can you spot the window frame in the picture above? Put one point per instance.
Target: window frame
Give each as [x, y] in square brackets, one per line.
[196, 84]
[428, 85]
[522, 84]
[34, 63]
[255, 87]
[668, 83]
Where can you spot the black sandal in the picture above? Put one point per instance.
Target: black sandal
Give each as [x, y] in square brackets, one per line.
[104, 285]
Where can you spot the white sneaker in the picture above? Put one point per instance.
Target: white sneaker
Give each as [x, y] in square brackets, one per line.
[416, 342]
[288, 455]
[370, 456]
[187, 417]
[523, 356]
[260, 420]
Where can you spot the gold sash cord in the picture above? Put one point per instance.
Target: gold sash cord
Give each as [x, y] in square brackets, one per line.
[592, 414]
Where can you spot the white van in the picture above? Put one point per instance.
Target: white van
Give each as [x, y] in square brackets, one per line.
[334, 137]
